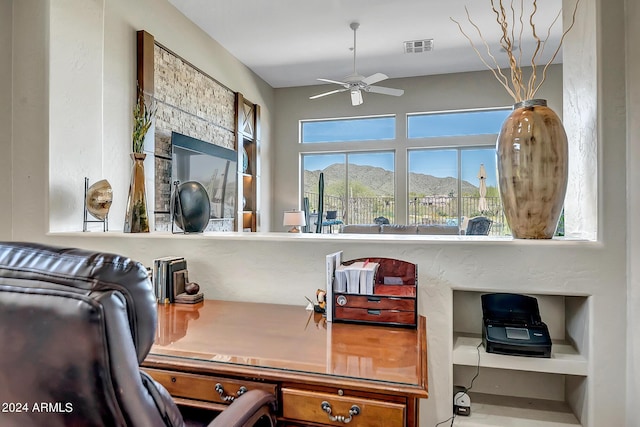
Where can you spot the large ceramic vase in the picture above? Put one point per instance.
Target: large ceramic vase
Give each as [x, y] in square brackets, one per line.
[136, 219]
[532, 158]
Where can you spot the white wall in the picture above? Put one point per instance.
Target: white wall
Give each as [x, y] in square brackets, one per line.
[278, 268]
[633, 212]
[5, 117]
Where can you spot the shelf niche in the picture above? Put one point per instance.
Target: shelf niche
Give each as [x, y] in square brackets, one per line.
[248, 144]
[524, 391]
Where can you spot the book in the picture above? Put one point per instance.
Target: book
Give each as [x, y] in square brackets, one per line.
[356, 278]
[332, 262]
[352, 272]
[340, 279]
[163, 269]
[367, 277]
[173, 266]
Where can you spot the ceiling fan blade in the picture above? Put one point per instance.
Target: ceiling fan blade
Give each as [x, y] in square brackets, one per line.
[356, 97]
[374, 78]
[327, 93]
[333, 81]
[384, 90]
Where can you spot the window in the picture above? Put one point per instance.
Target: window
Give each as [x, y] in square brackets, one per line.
[352, 129]
[444, 187]
[359, 187]
[437, 157]
[455, 123]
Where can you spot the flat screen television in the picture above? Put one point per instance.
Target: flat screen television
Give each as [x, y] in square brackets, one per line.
[211, 165]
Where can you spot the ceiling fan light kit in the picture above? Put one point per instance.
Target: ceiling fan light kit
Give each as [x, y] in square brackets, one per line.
[356, 83]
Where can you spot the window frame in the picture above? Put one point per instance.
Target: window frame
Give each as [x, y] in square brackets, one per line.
[401, 145]
[345, 119]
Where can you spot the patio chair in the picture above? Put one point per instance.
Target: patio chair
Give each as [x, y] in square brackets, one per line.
[478, 226]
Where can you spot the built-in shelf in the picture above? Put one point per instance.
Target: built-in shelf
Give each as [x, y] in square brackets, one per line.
[501, 411]
[565, 359]
[524, 391]
[247, 144]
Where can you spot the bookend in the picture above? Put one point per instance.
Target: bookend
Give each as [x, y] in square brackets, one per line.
[171, 282]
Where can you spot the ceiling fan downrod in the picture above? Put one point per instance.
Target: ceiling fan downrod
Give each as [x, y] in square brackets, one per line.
[354, 26]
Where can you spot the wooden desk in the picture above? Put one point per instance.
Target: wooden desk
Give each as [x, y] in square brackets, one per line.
[206, 353]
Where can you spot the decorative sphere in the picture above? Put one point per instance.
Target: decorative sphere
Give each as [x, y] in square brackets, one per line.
[196, 209]
[99, 198]
[192, 288]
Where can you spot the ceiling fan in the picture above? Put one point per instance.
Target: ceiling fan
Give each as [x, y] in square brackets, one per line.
[356, 83]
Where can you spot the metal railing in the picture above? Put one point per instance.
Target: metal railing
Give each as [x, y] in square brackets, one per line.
[436, 210]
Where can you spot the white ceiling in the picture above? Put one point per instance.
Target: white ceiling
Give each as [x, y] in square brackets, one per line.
[294, 42]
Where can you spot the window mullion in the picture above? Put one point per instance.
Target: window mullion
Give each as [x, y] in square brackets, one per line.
[346, 189]
[459, 188]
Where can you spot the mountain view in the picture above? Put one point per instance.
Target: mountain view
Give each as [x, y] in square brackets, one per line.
[375, 181]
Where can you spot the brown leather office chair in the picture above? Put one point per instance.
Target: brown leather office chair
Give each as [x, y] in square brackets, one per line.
[74, 327]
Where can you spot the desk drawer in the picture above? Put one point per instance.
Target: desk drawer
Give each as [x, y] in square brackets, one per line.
[376, 315]
[376, 302]
[310, 406]
[203, 387]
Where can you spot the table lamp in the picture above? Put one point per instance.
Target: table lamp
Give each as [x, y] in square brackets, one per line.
[295, 220]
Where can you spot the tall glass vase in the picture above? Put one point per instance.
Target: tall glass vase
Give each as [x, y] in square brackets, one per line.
[136, 219]
[532, 155]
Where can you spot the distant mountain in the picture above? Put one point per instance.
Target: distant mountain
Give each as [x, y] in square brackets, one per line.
[379, 182]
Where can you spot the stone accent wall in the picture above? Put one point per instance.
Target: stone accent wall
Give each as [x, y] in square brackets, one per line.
[194, 104]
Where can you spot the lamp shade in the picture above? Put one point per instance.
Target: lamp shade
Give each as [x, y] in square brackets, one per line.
[294, 218]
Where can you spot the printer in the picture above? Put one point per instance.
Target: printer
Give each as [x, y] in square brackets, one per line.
[511, 324]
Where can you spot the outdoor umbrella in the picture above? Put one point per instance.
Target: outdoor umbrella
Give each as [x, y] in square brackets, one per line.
[320, 202]
[482, 176]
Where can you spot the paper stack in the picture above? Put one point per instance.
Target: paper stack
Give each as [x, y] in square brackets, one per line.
[340, 282]
[360, 277]
[367, 277]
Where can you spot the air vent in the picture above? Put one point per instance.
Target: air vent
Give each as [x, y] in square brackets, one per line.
[418, 46]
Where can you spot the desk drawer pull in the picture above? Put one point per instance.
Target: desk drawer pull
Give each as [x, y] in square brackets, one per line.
[374, 312]
[326, 407]
[227, 397]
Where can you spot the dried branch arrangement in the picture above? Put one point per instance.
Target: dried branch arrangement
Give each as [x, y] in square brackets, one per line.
[512, 24]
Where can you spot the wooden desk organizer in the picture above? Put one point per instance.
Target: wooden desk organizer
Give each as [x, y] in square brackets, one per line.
[390, 304]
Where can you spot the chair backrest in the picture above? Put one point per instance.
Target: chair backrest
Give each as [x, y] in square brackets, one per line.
[332, 214]
[75, 326]
[478, 226]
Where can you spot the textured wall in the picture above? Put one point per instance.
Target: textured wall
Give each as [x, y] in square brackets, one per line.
[633, 196]
[193, 104]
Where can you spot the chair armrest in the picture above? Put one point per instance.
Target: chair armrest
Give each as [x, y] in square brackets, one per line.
[247, 409]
